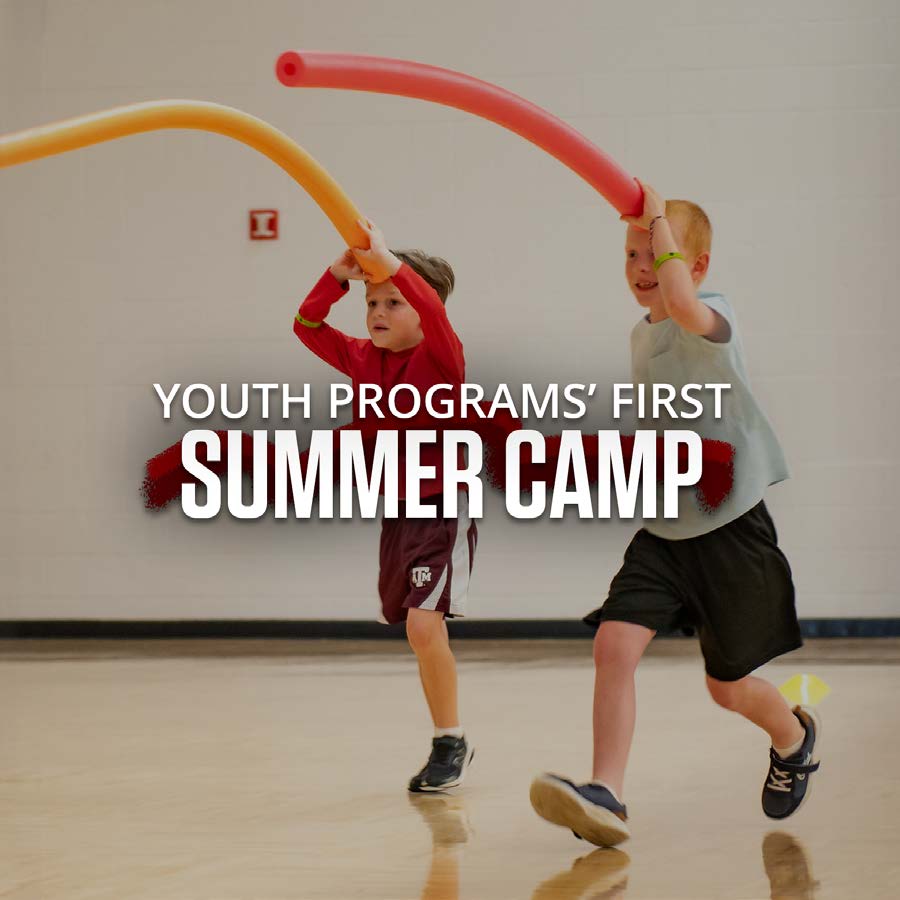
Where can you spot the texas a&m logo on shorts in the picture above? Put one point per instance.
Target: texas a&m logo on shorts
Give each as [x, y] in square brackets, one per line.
[420, 575]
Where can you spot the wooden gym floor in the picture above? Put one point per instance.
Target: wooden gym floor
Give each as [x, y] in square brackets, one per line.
[269, 770]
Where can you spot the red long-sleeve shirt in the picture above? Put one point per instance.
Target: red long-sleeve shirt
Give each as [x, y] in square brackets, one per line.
[438, 359]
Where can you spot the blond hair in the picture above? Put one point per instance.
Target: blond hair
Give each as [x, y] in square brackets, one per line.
[696, 230]
[433, 269]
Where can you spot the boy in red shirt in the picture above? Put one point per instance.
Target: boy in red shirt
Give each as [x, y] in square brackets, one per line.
[425, 564]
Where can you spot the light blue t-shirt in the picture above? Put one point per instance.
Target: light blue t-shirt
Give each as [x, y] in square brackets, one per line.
[664, 353]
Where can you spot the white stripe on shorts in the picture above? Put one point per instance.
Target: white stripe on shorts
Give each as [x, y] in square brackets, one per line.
[461, 562]
[431, 601]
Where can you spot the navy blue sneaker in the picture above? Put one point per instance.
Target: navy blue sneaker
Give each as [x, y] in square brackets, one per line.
[589, 810]
[787, 782]
[446, 766]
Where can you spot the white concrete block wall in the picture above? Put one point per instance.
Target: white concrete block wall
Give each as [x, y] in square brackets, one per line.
[128, 263]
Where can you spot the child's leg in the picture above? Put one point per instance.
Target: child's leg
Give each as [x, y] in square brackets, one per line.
[592, 811]
[760, 702]
[618, 648]
[428, 637]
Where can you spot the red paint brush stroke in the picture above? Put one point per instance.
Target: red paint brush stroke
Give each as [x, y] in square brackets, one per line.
[166, 475]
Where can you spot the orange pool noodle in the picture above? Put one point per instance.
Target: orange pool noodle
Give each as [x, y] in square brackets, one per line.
[83, 131]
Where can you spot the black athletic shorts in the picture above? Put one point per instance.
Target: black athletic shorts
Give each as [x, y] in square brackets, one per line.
[732, 586]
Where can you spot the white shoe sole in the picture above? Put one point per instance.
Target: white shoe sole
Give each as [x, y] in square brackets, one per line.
[560, 804]
[427, 789]
[817, 724]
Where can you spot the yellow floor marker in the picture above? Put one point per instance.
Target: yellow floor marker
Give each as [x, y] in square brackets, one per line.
[808, 690]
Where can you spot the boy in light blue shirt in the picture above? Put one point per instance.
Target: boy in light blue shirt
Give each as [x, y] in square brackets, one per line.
[719, 572]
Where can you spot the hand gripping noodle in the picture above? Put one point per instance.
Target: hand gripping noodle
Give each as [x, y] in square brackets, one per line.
[95, 128]
[410, 79]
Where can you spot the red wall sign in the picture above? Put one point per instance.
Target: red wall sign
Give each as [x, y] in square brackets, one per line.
[263, 224]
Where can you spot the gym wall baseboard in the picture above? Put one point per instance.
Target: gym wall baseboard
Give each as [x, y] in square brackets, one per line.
[294, 629]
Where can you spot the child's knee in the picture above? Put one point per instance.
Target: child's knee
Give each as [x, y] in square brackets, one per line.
[727, 694]
[620, 645]
[424, 628]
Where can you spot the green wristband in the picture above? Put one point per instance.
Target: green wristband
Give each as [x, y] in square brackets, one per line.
[306, 322]
[665, 258]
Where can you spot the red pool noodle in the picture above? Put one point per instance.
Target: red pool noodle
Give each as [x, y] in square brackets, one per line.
[411, 79]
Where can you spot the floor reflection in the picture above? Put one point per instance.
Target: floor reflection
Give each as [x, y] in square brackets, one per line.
[447, 819]
[789, 867]
[601, 875]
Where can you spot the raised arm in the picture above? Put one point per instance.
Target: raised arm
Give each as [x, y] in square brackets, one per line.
[328, 343]
[440, 339]
[674, 273]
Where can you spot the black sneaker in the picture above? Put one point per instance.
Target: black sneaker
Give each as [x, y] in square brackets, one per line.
[446, 766]
[787, 784]
[589, 810]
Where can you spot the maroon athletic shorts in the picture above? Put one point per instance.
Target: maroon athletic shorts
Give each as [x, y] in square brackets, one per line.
[426, 563]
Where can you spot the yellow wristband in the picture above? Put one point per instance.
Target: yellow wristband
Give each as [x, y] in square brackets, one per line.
[306, 322]
[665, 258]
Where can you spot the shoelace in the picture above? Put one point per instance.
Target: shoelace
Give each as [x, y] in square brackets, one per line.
[780, 780]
